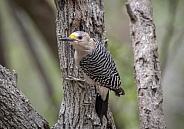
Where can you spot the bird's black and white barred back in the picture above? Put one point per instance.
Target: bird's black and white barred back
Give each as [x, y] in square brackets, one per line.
[100, 66]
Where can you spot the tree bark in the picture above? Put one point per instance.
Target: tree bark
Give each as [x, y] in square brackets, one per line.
[16, 111]
[78, 105]
[146, 64]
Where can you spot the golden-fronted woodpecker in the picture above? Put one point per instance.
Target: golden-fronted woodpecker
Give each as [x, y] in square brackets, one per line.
[98, 67]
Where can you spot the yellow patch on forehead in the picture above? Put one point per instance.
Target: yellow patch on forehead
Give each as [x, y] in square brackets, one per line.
[73, 36]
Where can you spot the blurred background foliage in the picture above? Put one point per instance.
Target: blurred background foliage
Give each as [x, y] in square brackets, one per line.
[28, 45]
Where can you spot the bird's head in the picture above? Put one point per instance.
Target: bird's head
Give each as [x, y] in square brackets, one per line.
[80, 40]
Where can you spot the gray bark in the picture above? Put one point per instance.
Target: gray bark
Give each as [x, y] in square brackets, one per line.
[146, 64]
[78, 105]
[16, 111]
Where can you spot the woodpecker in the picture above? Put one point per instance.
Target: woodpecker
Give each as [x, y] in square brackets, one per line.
[97, 66]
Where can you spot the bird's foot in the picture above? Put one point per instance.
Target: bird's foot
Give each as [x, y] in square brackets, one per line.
[79, 81]
[86, 103]
[71, 78]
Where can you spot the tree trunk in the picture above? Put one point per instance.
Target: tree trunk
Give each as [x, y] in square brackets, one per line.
[16, 111]
[146, 64]
[78, 105]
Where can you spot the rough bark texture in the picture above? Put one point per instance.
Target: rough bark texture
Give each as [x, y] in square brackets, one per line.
[16, 111]
[78, 106]
[146, 64]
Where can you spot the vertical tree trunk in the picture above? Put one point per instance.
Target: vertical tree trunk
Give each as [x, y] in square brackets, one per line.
[78, 105]
[146, 64]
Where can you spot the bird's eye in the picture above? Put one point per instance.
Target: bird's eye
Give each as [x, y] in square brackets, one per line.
[80, 37]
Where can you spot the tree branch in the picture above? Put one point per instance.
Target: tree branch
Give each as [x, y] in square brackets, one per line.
[16, 110]
[146, 64]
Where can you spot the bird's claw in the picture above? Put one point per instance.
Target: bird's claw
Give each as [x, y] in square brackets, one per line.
[77, 80]
[86, 103]
[71, 78]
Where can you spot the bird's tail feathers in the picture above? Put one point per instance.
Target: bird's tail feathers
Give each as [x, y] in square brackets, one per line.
[101, 106]
[119, 92]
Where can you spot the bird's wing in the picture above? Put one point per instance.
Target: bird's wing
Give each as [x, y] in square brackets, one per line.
[100, 67]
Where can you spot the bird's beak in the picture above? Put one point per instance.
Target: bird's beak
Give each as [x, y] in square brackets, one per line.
[68, 39]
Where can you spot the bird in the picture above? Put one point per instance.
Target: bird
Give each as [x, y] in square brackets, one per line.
[98, 68]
